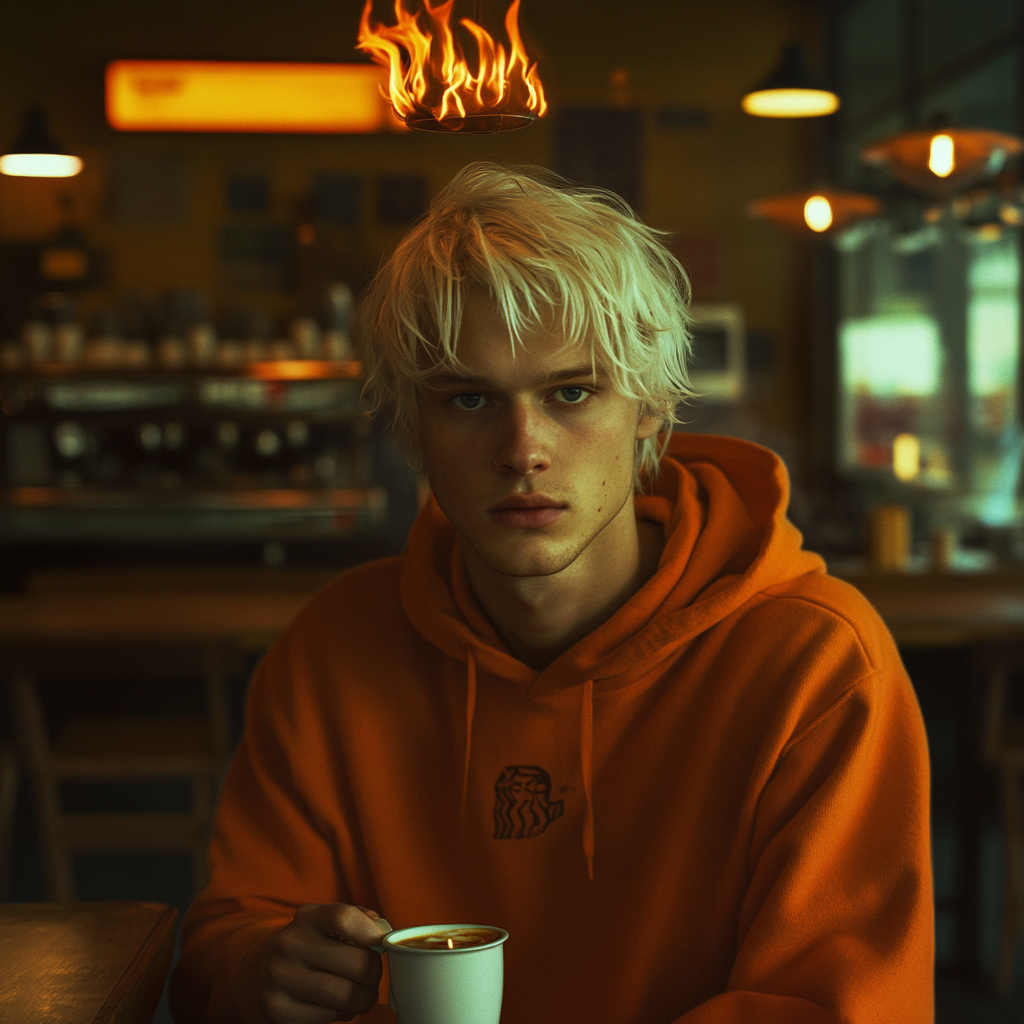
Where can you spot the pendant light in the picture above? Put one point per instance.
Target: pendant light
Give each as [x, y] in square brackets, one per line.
[815, 212]
[35, 154]
[791, 90]
[941, 161]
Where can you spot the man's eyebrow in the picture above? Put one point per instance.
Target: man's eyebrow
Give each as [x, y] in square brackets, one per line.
[460, 380]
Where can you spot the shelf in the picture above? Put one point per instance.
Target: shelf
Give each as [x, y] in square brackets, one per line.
[281, 369]
[54, 514]
[336, 498]
[207, 393]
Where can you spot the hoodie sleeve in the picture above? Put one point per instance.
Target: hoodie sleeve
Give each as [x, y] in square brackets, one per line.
[269, 855]
[837, 924]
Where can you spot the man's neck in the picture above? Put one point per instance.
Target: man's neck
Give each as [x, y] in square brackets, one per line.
[541, 617]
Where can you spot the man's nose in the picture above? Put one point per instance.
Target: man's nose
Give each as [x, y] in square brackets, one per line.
[524, 447]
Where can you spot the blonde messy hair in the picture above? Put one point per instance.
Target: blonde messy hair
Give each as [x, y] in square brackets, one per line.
[547, 251]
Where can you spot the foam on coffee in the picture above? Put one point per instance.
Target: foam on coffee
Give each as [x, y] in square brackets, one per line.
[452, 938]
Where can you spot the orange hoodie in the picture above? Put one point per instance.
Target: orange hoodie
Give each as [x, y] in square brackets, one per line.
[714, 808]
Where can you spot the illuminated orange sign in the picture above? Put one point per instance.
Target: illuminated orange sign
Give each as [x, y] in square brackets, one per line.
[237, 96]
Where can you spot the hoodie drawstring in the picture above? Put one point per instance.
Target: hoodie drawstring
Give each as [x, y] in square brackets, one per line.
[586, 753]
[470, 712]
[587, 770]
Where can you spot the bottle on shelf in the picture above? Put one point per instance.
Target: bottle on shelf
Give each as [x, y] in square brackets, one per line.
[137, 353]
[201, 340]
[254, 350]
[338, 314]
[174, 333]
[304, 332]
[230, 353]
[68, 342]
[171, 352]
[281, 349]
[37, 341]
[12, 357]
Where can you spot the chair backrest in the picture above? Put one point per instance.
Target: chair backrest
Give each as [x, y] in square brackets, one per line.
[30, 723]
[997, 661]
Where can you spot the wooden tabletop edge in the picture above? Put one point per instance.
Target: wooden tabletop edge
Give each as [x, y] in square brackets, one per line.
[132, 989]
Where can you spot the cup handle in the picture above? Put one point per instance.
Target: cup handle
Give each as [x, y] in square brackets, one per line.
[380, 949]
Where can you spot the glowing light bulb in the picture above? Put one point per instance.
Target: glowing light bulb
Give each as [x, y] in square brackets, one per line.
[906, 456]
[941, 160]
[790, 103]
[818, 213]
[40, 165]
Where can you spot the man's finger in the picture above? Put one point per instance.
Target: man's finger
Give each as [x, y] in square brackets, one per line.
[345, 960]
[279, 1006]
[346, 922]
[326, 990]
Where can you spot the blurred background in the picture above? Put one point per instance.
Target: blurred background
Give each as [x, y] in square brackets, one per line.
[183, 459]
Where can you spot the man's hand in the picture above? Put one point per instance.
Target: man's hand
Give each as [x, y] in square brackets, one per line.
[317, 968]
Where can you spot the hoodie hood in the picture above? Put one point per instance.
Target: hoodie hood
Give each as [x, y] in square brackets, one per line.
[722, 504]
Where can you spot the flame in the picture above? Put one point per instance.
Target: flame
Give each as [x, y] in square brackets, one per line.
[430, 78]
[451, 945]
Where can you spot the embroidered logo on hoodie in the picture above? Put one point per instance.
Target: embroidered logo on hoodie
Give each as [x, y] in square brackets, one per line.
[522, 802]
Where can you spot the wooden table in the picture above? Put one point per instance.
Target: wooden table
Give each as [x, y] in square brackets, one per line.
[943, 609]
[247, 609]
[83, 963]
[954, 610]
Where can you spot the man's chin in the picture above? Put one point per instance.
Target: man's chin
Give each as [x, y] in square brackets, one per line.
[526, 564]
[533, 571]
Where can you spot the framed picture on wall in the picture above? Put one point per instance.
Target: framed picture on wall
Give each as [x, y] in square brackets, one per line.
[719, 362]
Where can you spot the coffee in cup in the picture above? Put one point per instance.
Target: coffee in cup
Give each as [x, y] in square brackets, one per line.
[446, 974]
[451, 938]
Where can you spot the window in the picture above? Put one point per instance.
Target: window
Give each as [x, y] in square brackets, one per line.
[928, 333]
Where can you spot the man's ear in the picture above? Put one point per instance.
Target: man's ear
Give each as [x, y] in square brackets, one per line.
[649, 425]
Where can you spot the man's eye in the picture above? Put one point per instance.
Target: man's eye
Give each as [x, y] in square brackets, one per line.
[467, 403]
[572, 395]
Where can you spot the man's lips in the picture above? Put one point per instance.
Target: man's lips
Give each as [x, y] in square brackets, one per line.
[526, 511]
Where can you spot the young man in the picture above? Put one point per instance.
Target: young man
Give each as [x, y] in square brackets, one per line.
[603, 700]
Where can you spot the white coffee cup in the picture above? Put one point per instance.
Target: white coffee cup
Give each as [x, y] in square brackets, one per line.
[442, 985]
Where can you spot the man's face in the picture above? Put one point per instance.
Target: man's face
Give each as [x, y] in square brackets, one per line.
[528, 455]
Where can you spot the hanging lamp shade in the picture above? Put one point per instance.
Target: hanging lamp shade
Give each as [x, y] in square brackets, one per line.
[815, 211]
[35, 154]
[942, 161]
[791, 90]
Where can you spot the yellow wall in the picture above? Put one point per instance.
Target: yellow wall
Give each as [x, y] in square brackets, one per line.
[695, 53]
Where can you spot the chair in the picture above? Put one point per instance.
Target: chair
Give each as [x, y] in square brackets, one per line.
[1004, 747]
[108, 749]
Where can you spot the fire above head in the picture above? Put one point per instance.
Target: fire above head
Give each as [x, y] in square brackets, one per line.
[431, 84]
